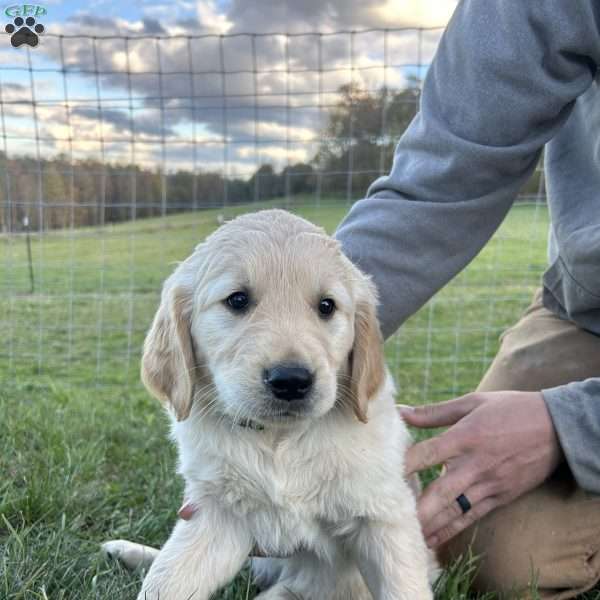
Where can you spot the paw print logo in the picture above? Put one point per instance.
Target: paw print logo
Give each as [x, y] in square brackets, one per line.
[24, 31]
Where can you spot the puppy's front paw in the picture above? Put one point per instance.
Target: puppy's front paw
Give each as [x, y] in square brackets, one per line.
[280, 592]
[132, 556]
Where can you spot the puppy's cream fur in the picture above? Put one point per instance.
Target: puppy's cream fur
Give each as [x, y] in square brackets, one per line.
[325, 484]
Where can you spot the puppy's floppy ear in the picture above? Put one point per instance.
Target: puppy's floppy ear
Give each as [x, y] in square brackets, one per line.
[168, 361]
[367, 360]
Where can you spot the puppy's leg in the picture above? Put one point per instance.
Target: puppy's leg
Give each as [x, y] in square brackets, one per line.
[393, 559]
[303, 577]
[345, 585]
[200, 557]
[266, 571]
[280, 591]
[131, 555]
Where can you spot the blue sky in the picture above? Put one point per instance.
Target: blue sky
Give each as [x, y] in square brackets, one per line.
[59, 12]
[165, 12]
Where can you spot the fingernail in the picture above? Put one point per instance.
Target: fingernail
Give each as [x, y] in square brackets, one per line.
[432, 541]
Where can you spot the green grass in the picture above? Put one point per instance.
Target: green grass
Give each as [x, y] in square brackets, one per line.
[83, 449]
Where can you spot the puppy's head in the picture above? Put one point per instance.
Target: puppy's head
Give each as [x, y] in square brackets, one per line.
[266, 321]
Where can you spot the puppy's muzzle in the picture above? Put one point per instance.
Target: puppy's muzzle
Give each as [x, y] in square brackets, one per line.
[288, 382]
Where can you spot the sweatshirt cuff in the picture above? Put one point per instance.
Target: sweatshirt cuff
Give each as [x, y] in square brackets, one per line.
[568, 406]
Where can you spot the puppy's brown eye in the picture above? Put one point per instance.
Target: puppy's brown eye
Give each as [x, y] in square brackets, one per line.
[238, 301]
[326, 307]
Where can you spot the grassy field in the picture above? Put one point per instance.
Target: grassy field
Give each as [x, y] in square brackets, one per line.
[83, 450]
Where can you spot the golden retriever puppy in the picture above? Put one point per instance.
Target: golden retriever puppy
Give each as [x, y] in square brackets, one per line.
[267, 353]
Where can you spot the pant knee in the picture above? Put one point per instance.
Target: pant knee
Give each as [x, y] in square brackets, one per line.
[545, 540]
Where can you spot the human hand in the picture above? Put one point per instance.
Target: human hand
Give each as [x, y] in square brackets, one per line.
[499, 446]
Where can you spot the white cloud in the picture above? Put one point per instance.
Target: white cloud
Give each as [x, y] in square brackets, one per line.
[414, 13]
[328, 15]
[275, 154]
[211, 19]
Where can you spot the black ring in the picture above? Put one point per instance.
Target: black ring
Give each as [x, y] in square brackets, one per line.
[464, 503]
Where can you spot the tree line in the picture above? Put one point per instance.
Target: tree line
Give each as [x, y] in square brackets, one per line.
[357, 146]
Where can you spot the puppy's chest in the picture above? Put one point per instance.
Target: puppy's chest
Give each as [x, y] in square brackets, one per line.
[298, 494]
[309, 482]
[287, 487]
[285, 508]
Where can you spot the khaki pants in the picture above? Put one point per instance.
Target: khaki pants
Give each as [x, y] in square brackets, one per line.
[552, 534]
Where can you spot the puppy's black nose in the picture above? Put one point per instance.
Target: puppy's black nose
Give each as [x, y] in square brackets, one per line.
[288, 382]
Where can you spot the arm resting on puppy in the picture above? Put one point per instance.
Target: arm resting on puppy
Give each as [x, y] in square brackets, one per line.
[201, 556]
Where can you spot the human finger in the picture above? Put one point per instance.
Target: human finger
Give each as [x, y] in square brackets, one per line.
[442, 493]
[187, 511]
[431, 452]
[442, 414]
[475, 495]
[451, 530]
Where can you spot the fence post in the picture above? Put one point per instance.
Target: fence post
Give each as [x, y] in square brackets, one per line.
[28, 240]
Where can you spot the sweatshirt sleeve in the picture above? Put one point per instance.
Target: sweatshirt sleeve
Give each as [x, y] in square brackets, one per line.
[503, 81]
[575, 412]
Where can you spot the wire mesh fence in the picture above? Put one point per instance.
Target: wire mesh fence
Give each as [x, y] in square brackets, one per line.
[119, 154]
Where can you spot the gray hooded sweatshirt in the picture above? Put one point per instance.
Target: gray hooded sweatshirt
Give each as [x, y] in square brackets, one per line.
[510, 77]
